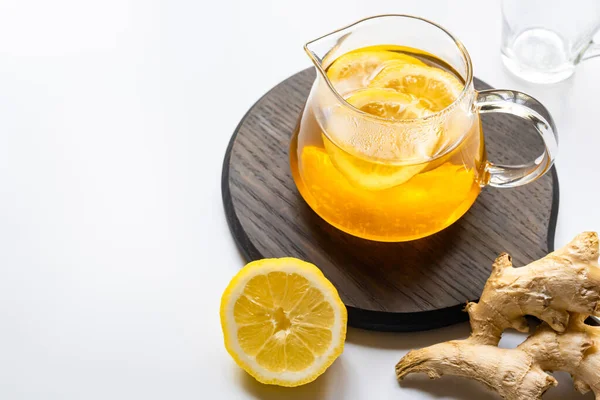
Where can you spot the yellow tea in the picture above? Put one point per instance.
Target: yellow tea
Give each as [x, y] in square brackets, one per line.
[403, 161]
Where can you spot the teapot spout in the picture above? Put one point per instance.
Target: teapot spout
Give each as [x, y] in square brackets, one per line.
[324, 50]
[366, 32]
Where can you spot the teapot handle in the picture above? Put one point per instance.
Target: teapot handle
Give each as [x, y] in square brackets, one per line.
[526, 107]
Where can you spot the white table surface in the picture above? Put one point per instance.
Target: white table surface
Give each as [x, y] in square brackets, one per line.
[114, 249]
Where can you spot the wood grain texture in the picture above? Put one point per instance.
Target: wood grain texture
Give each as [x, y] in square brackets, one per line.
[408, 286]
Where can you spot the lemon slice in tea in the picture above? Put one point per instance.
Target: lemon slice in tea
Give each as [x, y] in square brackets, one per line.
[283, 321]
[352, 70]
[434, 88]
[369, 147]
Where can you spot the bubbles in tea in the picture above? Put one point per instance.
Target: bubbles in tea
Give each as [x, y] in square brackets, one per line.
[383, 170]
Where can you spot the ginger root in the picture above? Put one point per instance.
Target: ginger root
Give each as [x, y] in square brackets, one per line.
[561, 289]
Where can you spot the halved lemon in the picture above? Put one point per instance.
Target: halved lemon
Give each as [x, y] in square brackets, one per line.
[435, 88]
[376, 145]
[283, 321]
[352, 70]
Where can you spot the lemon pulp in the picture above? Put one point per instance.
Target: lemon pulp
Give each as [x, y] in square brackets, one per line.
[283, 321]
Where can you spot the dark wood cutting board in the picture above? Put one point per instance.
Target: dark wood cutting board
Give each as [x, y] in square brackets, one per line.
[408, 286]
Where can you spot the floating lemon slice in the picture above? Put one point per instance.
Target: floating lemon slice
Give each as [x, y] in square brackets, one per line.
[375, 145]
[352, 70]
[283, 321]
[388, 104]
[435, 88]
[368, 150]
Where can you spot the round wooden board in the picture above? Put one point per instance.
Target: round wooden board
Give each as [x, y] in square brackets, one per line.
[408, 286]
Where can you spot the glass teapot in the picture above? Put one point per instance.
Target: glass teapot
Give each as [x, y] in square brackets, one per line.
[389, 146]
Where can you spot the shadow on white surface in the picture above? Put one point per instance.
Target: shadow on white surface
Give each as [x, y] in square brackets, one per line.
[565, 389]
[407, 340]
[450, 387]
[329, 385]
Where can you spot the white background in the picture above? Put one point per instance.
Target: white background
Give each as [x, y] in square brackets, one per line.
[114, 249]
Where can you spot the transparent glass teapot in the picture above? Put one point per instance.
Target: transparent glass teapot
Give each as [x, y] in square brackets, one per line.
[389, 146]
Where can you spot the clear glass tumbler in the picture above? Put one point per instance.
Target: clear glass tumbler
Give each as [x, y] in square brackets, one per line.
[544, 40]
